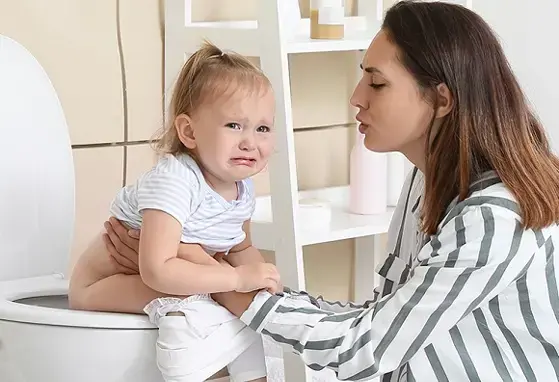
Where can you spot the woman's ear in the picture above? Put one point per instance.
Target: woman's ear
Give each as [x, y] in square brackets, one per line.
[185, 132]
[445, 100]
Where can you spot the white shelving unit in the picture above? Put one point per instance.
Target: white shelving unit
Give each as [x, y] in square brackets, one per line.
[279, 223]
[339, 226]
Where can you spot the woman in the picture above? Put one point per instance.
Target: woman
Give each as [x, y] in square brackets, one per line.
[469, 291]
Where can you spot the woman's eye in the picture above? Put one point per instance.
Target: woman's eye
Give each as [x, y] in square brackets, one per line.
[376, 86]
[263, 129]
[233, 125]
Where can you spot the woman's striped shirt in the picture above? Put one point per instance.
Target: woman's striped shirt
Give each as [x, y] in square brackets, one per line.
[478, 301]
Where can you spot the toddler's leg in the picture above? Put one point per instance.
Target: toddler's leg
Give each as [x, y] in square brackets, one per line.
[117, 293]
[97, 284]
[250, 365]
[220, 376]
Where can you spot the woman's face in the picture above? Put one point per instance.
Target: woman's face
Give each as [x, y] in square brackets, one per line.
[393, 114]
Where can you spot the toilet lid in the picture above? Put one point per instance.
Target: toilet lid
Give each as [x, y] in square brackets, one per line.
[36, 169]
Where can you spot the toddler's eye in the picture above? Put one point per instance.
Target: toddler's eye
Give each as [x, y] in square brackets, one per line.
[263, 129]
[233, 125]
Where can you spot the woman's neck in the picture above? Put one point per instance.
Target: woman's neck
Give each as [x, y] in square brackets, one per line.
[415, 152]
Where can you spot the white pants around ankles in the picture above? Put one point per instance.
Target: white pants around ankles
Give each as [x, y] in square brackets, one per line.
[205, 338]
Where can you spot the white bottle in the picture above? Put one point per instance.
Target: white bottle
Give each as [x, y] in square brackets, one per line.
[396, 176]
[367, 179]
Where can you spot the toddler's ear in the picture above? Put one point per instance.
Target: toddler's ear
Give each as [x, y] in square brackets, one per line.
[185, 132]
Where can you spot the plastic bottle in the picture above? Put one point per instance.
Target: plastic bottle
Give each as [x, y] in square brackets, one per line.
[368, 179]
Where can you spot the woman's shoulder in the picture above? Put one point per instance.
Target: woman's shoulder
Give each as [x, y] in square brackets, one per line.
[491, 206]
[491, 194]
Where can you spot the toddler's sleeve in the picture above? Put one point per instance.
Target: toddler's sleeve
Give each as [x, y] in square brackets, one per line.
[167, 191]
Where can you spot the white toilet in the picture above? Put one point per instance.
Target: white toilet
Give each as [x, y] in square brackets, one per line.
[41, 340]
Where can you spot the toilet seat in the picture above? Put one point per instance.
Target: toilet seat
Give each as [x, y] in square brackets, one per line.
[55, 285]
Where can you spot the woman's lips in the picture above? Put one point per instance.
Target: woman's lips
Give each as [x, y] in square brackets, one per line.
[363, 128]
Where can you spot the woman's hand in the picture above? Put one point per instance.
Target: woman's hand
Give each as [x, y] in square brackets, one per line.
[123, 245]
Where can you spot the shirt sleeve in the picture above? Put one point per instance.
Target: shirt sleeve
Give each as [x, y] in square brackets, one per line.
[329, 306]
[474, 257]
[167, 191]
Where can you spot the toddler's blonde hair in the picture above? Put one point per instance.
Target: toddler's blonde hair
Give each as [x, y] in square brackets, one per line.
[208, 73]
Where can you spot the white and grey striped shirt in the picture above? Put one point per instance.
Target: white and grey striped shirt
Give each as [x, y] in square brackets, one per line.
[177, 186]
[478, 301]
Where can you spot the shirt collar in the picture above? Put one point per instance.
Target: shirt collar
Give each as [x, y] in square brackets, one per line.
[485, 180]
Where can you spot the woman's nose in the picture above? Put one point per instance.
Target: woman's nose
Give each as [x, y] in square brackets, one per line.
[357, 99]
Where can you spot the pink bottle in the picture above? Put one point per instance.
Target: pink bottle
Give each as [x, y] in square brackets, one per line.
[367, 179]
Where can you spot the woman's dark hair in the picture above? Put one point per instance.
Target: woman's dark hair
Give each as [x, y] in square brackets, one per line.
[490, 126]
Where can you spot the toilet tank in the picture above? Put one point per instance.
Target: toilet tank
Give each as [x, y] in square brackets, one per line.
[36, 169]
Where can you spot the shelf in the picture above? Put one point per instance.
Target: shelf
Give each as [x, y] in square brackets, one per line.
[339, 224]
[239, 36]
[304, 44]
[357, 36]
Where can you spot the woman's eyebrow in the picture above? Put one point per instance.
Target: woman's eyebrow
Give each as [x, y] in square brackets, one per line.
[370, 69]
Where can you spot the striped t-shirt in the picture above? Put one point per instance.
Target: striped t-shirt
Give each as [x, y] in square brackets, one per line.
[477, 301]
[177, 186]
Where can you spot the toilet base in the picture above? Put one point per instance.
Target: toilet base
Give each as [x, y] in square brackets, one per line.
[69, 354]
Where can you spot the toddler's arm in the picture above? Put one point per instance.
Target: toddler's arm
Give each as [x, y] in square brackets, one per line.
[161, 268]
[119, 236]
[195, 254]
[244, 252]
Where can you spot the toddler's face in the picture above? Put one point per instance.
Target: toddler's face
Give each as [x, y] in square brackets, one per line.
[234, 134]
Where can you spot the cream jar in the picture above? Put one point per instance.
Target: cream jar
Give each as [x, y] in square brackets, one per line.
[327, 19]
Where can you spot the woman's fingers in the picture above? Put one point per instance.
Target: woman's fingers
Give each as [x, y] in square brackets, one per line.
[124, 235]
[122, 263]
[120, 251]
[118, 244]
[134, 233]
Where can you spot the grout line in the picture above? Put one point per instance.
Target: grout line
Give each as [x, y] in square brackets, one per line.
[147, 141]
[124, 92]
[110, 144]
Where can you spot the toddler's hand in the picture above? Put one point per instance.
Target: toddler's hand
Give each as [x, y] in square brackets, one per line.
[258, 276]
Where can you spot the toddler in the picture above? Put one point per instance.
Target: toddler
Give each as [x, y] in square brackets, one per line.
[196, 202]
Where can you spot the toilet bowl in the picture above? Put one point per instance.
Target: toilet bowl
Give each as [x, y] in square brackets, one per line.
[40, 338]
